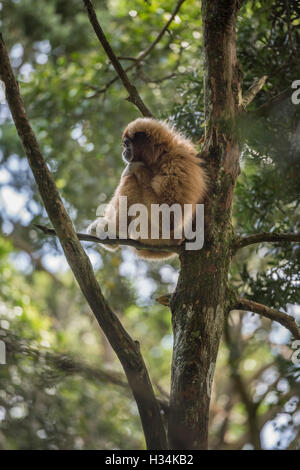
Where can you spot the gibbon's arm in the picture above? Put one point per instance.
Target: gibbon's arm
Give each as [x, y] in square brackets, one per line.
[181, 182]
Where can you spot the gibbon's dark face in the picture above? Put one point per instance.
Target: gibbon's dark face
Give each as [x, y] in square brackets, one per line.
[127, 153]
[134, 149]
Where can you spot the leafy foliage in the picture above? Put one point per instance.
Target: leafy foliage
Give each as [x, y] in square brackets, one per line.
[62, 70]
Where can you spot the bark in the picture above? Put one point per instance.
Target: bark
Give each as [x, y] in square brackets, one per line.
[200, 301]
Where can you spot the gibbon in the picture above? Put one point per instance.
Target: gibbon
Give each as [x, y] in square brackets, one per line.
[163, 167]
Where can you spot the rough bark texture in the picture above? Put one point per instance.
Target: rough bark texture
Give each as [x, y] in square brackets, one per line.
[200, 302]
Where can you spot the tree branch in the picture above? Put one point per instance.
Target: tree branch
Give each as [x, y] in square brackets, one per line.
[134, 96]
[112, 242]
[272, 314]
[273, 237]
[37, 261]
[141, 56]
[124, 346]
[253, 91]
[69, 364]
[66, 363]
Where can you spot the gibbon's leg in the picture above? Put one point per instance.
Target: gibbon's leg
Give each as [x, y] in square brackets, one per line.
[137, 187]
[101, 225]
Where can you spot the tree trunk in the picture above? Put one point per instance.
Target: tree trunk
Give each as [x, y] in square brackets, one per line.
[200, 302]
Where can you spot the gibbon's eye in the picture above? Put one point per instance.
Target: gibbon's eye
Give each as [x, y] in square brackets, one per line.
[126, 142]
[127, 154]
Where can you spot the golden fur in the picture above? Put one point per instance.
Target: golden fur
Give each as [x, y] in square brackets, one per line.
[170, 173]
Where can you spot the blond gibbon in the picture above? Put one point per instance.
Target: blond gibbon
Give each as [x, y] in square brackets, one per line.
[163, 167]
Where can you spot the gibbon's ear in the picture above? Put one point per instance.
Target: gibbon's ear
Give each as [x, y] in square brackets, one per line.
[143, 148]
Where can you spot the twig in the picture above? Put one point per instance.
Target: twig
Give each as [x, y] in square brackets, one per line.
[37, 261]
[272, 314]
[263, 110]
[164, 299]
[123, 345]
[162, 79]
[274, 237]
[147, 51]
[253, 90]
[127, 242]
[134, 96]
[141, 56]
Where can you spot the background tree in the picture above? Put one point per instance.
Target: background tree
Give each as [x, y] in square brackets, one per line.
[67, 85]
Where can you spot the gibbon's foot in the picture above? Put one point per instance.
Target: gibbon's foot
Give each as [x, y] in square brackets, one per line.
[91, 230]
[131, 167]
[97, 229]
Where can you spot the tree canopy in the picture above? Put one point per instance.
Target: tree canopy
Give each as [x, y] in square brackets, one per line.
[62, 387]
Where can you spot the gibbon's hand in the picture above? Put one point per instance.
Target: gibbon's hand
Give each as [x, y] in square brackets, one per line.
[91, 230]
[132, 167]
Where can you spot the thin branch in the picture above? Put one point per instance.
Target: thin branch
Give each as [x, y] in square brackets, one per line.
[112, 242]
[140, 73]
[37, 261]
[272, 314]
[273, 237]
[66, 363]
[147, 51]
[124, 346]
[141, 56]
[253, 91]
[264, 109]
[164, 299]
[126, 58]
[134, 96]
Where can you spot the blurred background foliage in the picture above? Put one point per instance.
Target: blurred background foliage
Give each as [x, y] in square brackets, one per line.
[62, 387]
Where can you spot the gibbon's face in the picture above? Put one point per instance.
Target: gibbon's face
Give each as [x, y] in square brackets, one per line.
[137, 149]
[127, 153]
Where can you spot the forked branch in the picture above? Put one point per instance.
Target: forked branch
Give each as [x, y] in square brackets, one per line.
[134, 96]
[136, 61]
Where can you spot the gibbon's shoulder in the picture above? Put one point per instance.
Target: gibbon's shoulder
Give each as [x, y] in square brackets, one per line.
[162, 133]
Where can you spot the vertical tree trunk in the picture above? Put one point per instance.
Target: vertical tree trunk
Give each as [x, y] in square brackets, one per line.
[199, 304]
